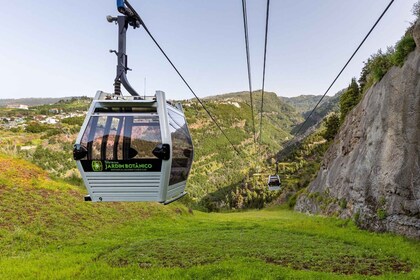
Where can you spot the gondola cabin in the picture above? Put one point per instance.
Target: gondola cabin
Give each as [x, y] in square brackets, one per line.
[274, 183]
[132, 149]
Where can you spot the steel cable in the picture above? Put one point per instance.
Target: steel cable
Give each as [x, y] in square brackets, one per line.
[244, 13]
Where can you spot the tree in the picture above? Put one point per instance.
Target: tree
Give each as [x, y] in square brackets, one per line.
[416, 9]
[333, 124]
[364, 76]
[34, 127]
[349, 99]
[380, 64]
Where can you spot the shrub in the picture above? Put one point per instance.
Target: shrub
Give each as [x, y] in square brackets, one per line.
[381, 213]
[74, 180]
[349, 99]
[380, 64]
[405, 46]
[343, 203]
[357, 217]
[333, 124]
[52, 132]
[73, 120]
[292, 201]
[36, 127]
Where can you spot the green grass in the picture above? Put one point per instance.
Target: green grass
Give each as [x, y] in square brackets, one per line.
[48, 232]
[269, 244]
[52, 234]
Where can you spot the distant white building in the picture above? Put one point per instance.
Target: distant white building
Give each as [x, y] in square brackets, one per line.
[234, 103]
[51, 121]
[54, 111]
[18, 106]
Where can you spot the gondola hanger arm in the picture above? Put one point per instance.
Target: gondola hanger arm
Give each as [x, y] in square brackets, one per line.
[129, 18]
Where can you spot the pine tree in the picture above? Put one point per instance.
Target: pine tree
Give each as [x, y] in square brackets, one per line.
[333, 124]
[363, 81]
[416, 9]
[349, 99]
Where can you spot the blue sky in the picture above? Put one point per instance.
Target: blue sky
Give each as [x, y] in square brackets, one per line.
[60, 48]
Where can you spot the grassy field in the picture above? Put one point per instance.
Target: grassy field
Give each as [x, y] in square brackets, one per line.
[48, 232]
[276, 244]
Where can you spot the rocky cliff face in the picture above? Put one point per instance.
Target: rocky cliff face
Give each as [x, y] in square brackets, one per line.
[372, 170]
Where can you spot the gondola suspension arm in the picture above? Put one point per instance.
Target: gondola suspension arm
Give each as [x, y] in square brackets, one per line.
[129, 18]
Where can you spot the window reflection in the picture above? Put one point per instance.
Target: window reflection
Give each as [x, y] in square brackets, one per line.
[182, 149]
[112, 137]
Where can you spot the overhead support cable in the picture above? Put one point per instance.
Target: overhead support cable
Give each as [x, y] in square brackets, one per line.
[267, 116]
[265, 59]
[244, 13]
[345, 66]
[181, 76]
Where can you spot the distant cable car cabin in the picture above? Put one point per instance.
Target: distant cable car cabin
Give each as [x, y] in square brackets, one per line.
[274, 183]
[133, 148]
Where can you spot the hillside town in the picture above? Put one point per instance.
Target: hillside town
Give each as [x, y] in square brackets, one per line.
[18, 116]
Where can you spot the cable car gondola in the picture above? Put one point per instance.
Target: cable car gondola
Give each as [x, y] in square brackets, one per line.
[274, 182]
[133, 148]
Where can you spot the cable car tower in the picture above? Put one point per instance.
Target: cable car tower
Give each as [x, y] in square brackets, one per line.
[131, 148]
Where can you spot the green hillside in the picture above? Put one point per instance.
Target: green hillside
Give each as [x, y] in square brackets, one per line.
[221, 178]
[304, 103]
[275, 110]
[36, 209]
[218, 171]
[36, 101]
[48, 232]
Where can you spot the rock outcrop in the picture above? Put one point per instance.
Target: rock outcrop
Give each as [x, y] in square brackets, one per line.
[371, 172]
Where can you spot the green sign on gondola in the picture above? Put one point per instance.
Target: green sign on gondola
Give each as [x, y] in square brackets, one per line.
[138, 165]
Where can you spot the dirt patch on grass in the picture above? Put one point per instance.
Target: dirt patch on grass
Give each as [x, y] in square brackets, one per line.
[17, 172]
[75, 194]
[157, 255]
[199, 125]
[348, 265]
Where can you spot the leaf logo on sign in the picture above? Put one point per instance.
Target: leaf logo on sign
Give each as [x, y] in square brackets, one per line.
[97, 166]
